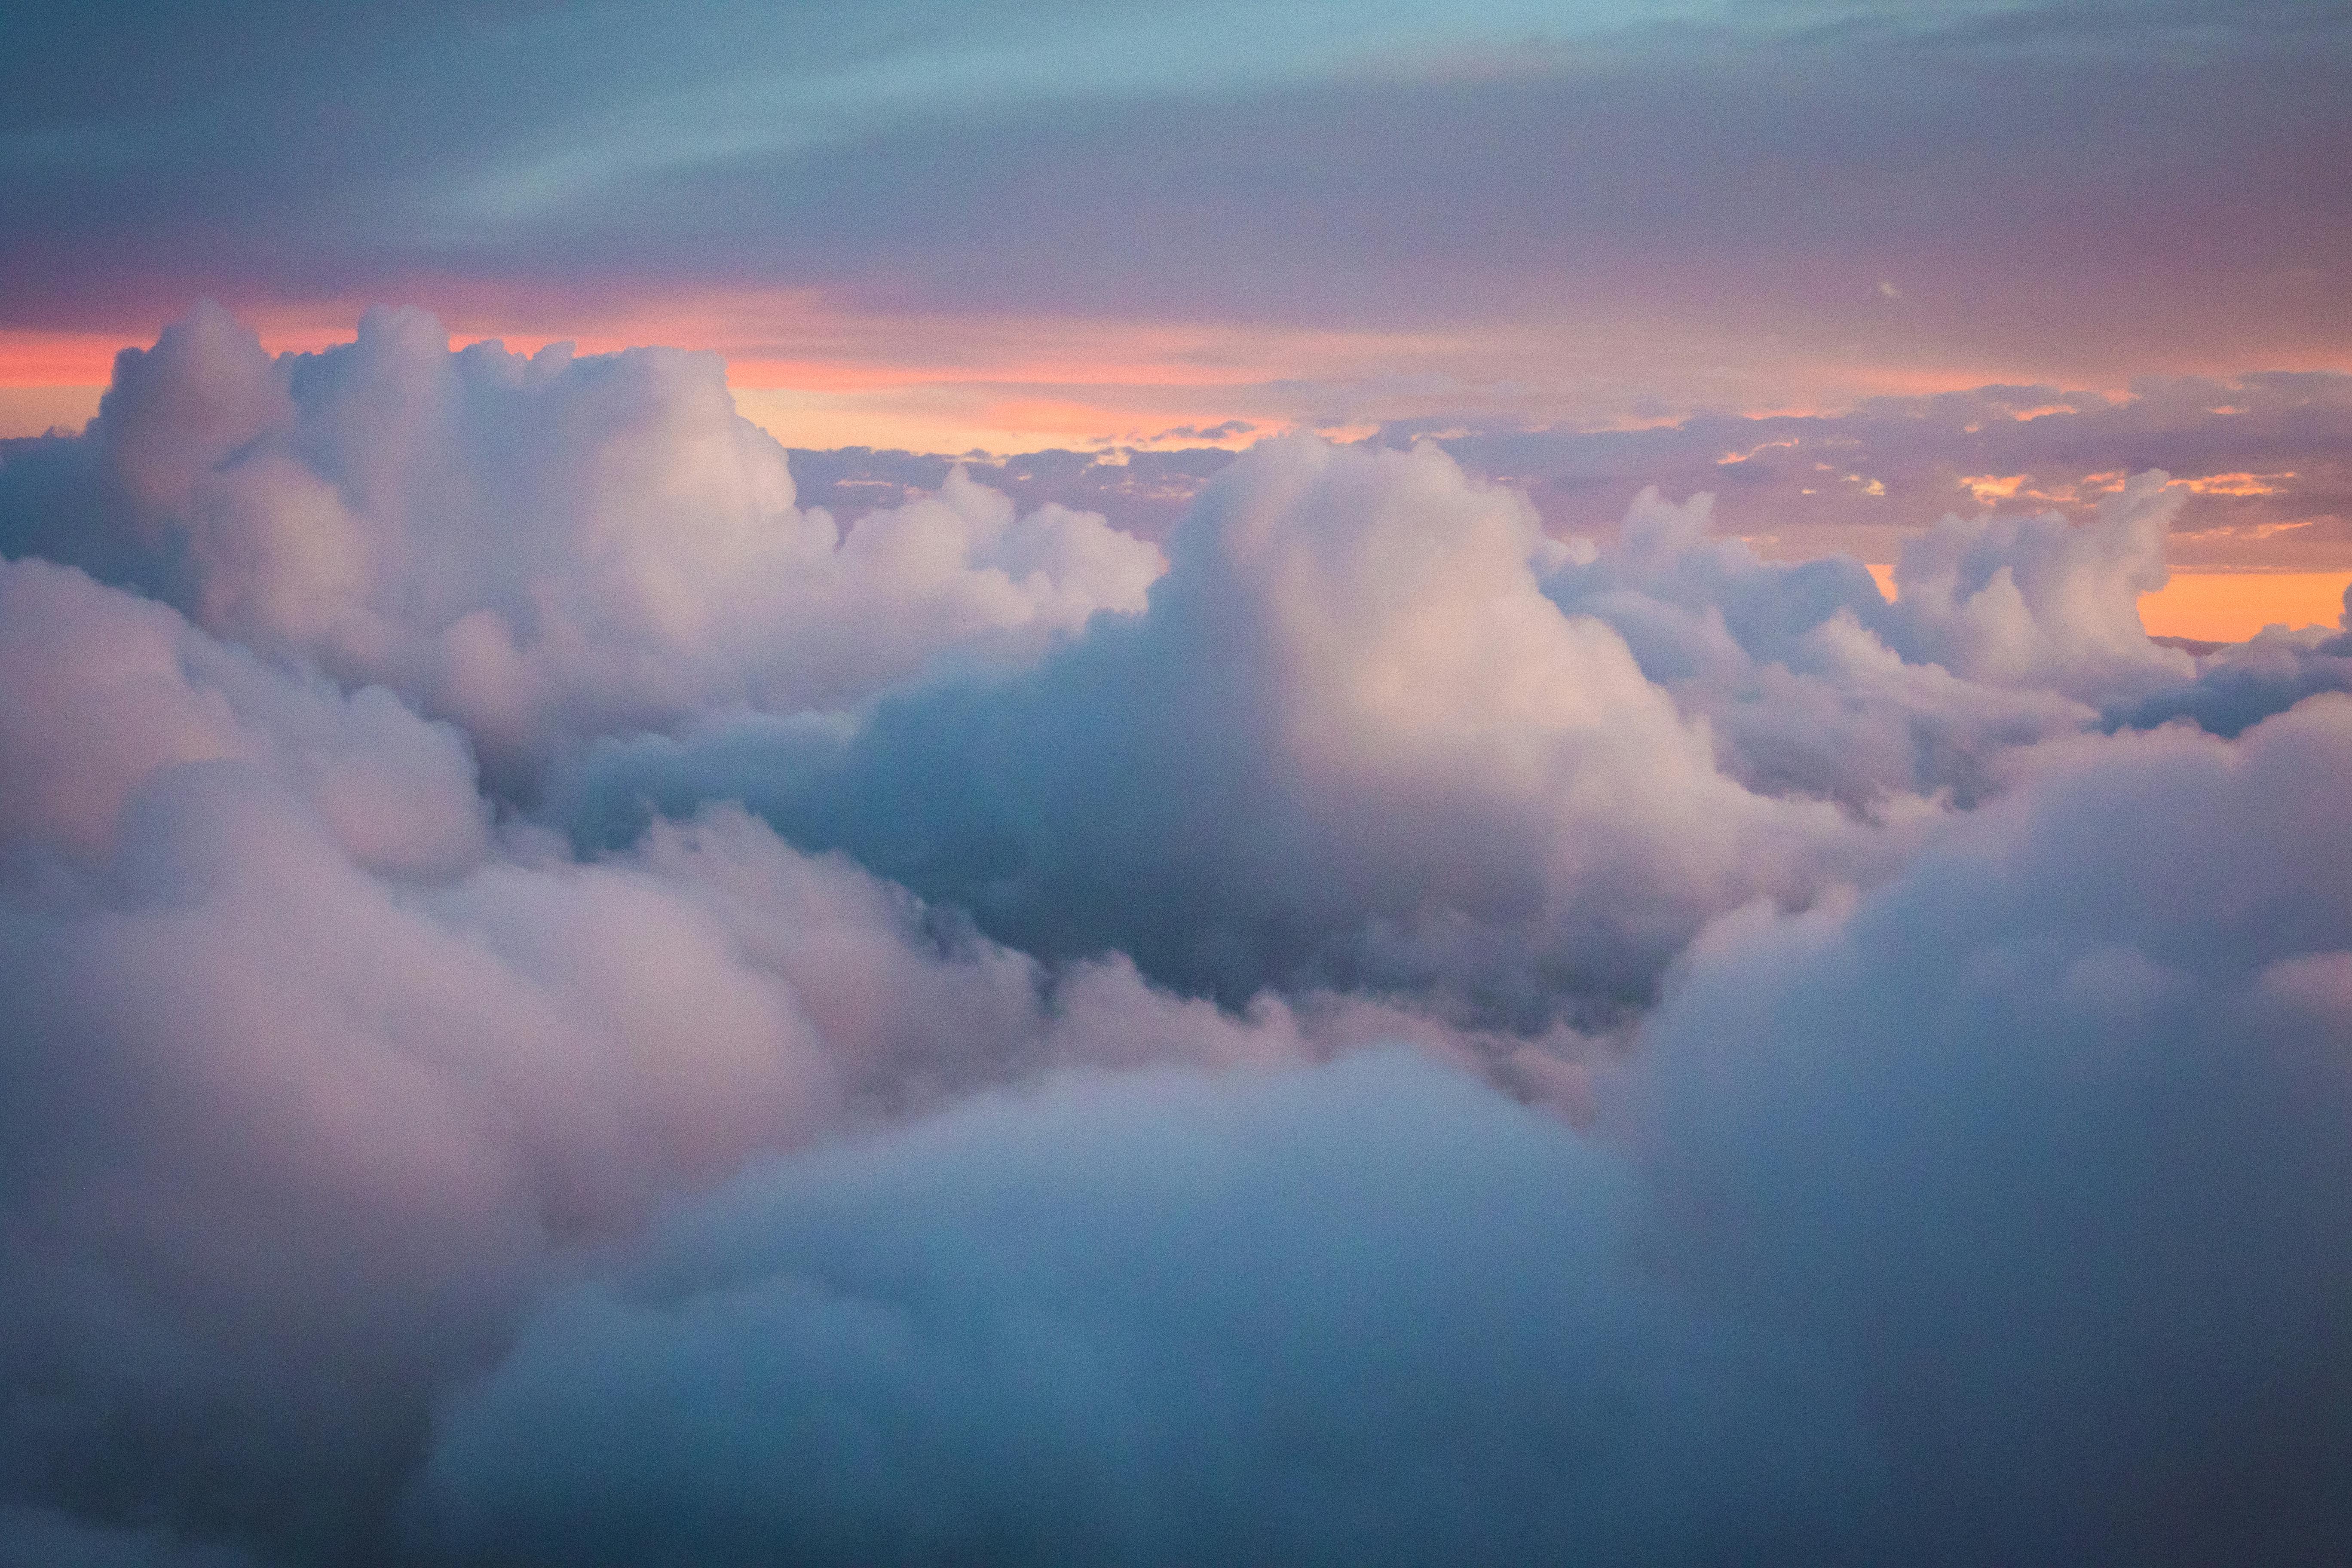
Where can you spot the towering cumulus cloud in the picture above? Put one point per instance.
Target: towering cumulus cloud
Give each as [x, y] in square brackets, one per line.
[1350, 742]
[561, 1009]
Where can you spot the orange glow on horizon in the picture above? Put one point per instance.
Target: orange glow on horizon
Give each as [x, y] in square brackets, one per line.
[949, 382]
[2231, 606]
[2226, 607]
[818, 375]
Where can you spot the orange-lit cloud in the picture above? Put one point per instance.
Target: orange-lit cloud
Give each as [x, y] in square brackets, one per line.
[2239, 484]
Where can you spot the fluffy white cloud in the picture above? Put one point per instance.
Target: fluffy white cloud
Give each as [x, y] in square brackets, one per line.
[1350, 742]
[2041, 602]
[547, 547]
[1929, 1138]
[311, 1078]
[1800, 670]
[103, 690]
[1997, 1215]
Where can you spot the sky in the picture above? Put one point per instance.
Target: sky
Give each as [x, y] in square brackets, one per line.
[1365, 784]
[1096, 226]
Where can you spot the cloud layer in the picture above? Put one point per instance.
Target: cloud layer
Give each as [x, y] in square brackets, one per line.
[561, 1006]
[2259, 459]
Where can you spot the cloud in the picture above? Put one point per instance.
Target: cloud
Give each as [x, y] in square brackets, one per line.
[314, 1079]
[2242, 684]
[2258, 457]
[2047, 1132]
[2003, 1205]
[2035, 602]
[1408, 1038]
[1708, 189]
[536, 549]
[1375, 729]
[105, 690]
[1144, 493]
[1349, 743]
[1795, 668]
[1138, 1320]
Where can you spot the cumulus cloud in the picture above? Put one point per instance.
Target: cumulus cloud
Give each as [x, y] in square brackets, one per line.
[1350, 742]
[312, 1075]
[561, 1007]
[2036, 601]
[2010, 1198]
[1156, 1320]
[537, 548]
[1377, 729]
[105, 690]
[2049, 1134]
[1800, 670]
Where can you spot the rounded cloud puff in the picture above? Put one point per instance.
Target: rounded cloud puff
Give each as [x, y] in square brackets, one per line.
[2050, 1133]
[1800, 670]
[1368, 1315]
[544, 548]
[1350, 742]
[101, 691]
[2040, 602]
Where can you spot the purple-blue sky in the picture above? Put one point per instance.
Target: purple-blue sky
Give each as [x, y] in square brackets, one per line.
[1083, 225]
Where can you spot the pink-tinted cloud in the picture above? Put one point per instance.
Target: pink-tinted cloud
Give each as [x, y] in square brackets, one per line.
[562, 1003]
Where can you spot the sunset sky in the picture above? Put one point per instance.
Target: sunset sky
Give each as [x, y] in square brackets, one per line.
[1091, 225]
[1338, 783]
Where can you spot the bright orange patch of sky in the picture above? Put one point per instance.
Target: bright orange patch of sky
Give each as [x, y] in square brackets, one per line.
[2226, 607]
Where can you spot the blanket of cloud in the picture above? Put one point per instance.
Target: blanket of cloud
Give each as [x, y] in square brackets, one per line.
[1376, 1034]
